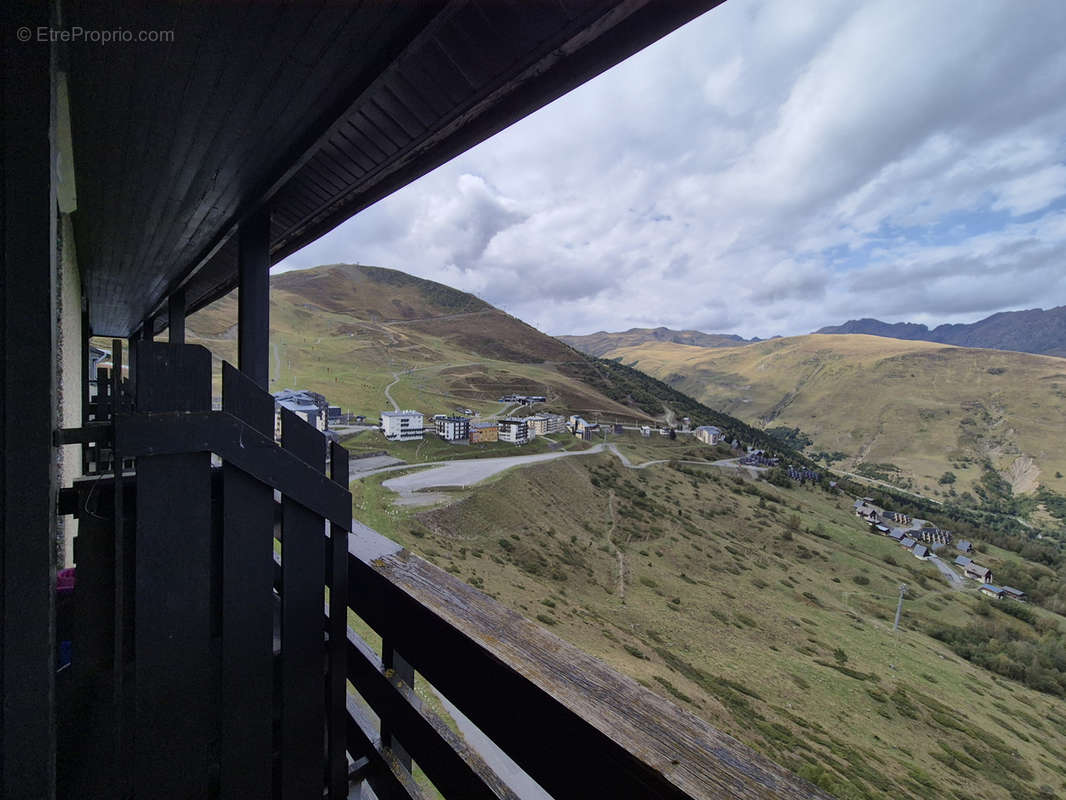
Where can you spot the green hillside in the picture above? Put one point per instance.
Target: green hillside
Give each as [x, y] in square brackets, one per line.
[349, 332]
[905, 412]
[767, 611]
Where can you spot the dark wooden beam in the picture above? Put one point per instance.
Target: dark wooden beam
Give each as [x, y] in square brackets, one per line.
[253, 299]
[237, 443]
[27, 410]
[176, 317]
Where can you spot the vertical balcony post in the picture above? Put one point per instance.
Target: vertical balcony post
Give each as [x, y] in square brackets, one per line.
[27, 414]
[253, 298]
[176, 317]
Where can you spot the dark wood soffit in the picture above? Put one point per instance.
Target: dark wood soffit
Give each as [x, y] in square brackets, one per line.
[592, 47]
[445, 81]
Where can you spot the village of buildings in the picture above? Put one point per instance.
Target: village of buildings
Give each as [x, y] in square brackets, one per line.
[924, 541]
[466, 428]
[919, 537]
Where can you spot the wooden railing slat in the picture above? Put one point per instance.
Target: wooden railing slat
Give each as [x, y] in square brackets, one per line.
[303, 713]
[386, 776]
[338, 631]
[246, 752]
[453, 767]
[174, 721]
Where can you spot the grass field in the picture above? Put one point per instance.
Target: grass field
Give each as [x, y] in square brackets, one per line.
[766, 611]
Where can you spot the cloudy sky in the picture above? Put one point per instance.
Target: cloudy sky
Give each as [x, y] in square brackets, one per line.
[770, 168]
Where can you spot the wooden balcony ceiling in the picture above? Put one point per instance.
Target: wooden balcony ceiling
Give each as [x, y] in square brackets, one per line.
[315, 110]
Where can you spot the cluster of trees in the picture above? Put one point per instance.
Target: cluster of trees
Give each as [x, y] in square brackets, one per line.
[1034, 654]
[790, 437]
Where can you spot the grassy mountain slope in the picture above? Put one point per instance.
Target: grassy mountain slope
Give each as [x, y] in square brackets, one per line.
[350, 332]
[766, 611]
[920, 407]
[596, 344]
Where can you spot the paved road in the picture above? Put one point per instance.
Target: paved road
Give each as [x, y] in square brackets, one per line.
[396, 376]
[955, 579]
[728, 463]
[411, 488]
[465, 473]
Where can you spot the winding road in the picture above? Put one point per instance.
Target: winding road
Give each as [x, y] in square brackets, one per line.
[412, 488]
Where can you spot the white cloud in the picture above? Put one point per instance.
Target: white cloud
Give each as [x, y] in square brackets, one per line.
[770, 168]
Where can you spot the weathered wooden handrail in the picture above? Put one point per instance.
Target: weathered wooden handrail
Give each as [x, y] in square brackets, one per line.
[577, 727]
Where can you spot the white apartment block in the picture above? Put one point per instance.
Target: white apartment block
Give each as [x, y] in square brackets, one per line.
[402, 426]
[514, 430]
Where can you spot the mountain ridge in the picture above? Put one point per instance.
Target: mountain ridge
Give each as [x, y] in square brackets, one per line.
[596, 344]
[1036, 330]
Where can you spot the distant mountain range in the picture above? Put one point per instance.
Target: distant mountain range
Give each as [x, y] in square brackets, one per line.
[1033, 331]
[596, 344]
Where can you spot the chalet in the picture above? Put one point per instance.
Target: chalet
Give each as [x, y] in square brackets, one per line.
[899, 518]
[964, 546]
[962, 561]
[930, 535]
[709, 434]
[513, 430]
[201, 666]
[867, 512]
[976, 572]
[988, 590]
[402, 426]
[882, 529]
[802, 474]
[921, 551]
[452, 429]
[482, 432]
[907, 543]
[896, 534]
[1015, 594]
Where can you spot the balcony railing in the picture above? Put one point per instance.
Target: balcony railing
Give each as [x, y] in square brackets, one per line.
[203, 664]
